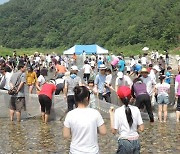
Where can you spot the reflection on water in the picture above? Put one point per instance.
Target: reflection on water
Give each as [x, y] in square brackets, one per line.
[32, 136]
[17, 138]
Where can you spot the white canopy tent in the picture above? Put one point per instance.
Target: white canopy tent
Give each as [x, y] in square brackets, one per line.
[88, 49]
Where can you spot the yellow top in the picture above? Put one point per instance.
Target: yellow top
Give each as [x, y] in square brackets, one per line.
[31, 78]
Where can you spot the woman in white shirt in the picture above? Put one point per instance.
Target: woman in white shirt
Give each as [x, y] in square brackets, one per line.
[83, 124]
[127, 121]
[87, 70]
[162, 90]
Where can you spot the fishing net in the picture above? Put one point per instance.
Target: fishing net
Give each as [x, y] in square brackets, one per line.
[58, 109]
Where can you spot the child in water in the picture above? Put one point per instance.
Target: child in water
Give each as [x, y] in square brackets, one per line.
[92, 94]
[108, 80]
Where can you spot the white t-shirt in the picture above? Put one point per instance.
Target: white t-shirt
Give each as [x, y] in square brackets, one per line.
[143, 60]
[60, 80]
[83, 124]
[179, 63]
[38, 59]
[108, 79]
[133, 62]
[48, 58]
[121, 123]
[41, 80]
[126, 81]
[57, 58]
[128, 68]
[7, 78]
[163, 88]
[87, 69]
[149, 84]
[93, 57]
[93, 63]
[152, 55]
[153, 76]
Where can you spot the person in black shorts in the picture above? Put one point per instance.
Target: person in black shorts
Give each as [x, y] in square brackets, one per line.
[45, 99]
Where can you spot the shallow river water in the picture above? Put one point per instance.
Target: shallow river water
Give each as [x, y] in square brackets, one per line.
[32, 136]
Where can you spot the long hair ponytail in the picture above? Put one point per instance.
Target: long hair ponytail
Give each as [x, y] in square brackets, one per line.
[125, 100]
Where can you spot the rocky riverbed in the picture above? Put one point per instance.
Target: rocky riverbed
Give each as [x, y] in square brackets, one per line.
[32, 136]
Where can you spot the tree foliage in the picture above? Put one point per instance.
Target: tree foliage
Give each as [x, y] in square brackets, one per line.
[110, 23]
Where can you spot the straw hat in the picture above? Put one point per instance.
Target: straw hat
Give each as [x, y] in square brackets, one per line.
[144, 70]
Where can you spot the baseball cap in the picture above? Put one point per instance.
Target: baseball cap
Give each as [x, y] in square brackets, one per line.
[124, 91]
[74, 68]
[120, 74]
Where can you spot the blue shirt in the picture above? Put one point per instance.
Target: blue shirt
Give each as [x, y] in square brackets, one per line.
[121, 65]
[100, 82]
[168, 77]
[99, 63]
[137, 67]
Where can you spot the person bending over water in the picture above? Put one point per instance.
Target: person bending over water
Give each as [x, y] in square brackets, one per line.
[45, 99]
[83, 124]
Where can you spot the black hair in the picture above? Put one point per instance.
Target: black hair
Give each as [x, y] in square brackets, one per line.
[90, 81]
[125, 101]
[150, 65]
[161, 78]
[85, 62]
[108, 70]
[30, 68]
[21, 65]
[169, 68]
[2, 68]
[136, 80]
[80, 93]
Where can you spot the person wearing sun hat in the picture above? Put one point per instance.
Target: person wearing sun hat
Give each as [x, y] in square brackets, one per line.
[126, 121]
[148, 81]
[103, 92]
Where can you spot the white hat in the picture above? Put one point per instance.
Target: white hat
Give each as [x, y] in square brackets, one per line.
[102, 67]
[120, 75]
[52, 81]
[74, 68]
[156, 67]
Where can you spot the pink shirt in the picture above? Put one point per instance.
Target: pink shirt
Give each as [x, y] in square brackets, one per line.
[177, 80]
[115, 61]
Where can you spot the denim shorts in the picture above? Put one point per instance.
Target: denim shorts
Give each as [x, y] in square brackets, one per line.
[128, 146]
[161, 99]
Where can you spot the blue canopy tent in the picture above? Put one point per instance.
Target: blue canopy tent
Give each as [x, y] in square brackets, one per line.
[88, 49]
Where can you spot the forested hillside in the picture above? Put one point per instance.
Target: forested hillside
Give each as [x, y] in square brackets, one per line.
[109, 23]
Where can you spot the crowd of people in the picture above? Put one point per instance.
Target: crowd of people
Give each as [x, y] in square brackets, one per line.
[137, 81]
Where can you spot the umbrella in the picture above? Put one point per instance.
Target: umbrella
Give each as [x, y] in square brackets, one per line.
[145, 49]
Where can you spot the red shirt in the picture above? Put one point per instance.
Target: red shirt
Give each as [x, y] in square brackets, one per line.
[149, 69]
[48, 90]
